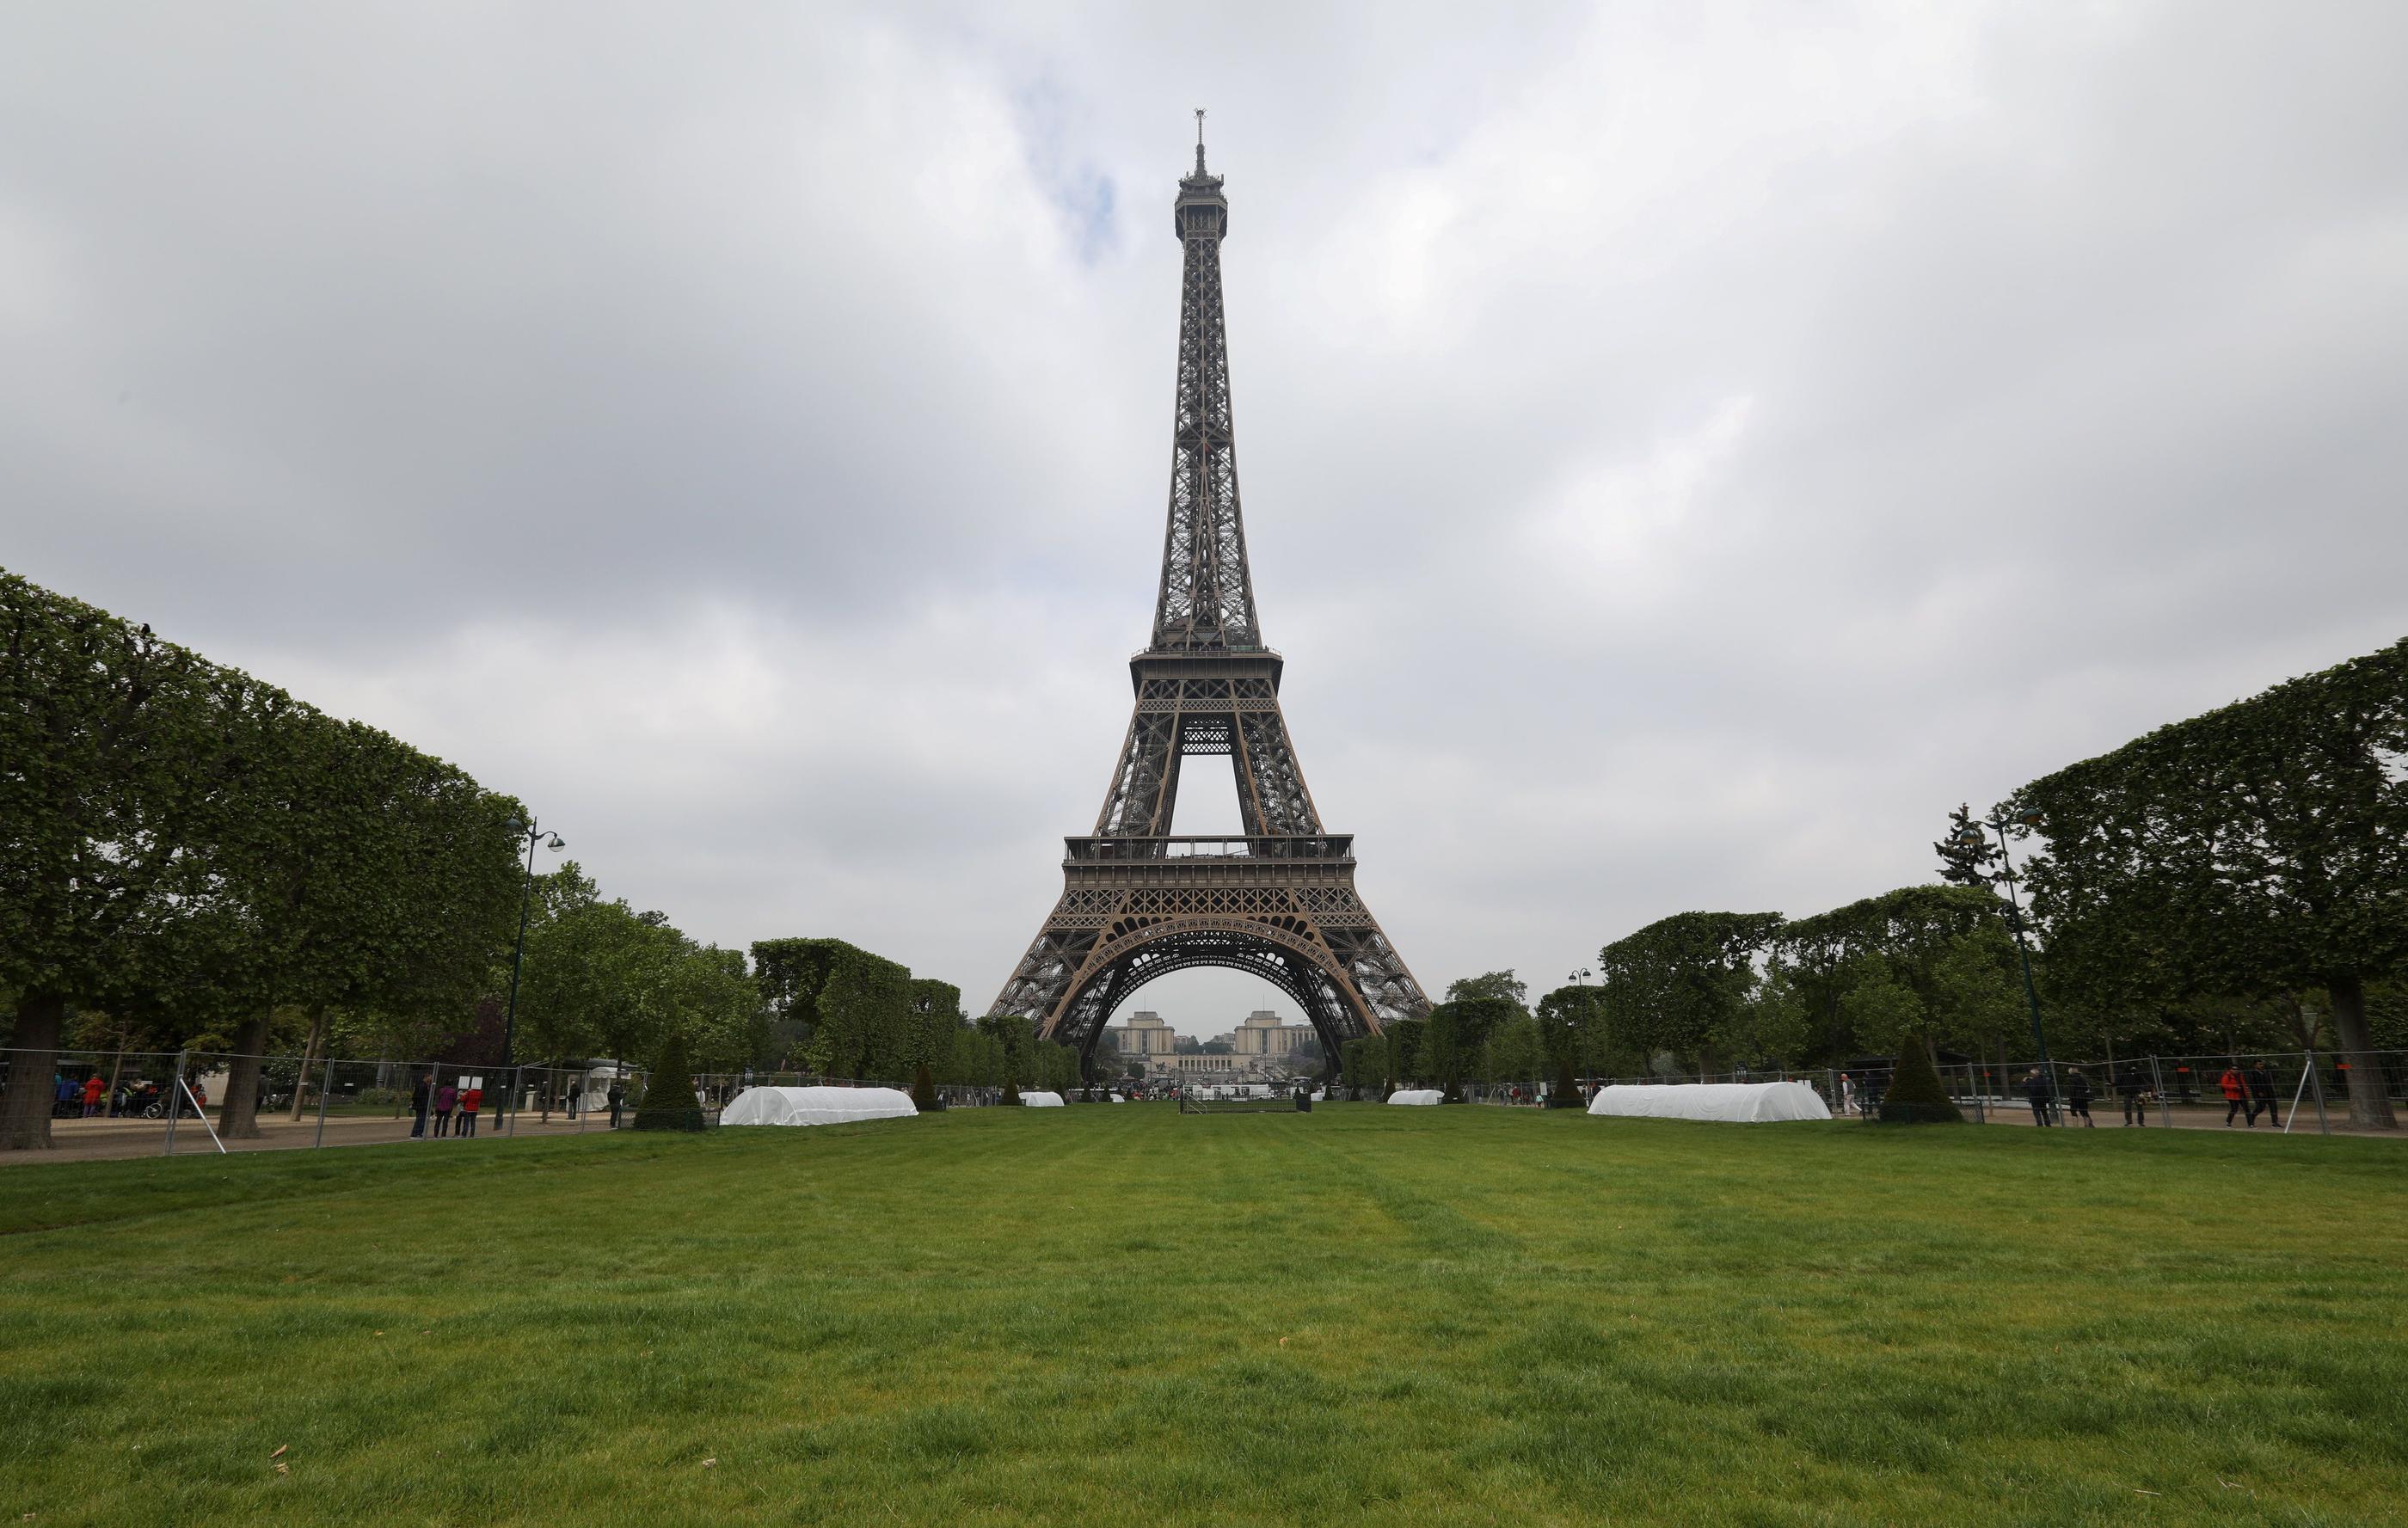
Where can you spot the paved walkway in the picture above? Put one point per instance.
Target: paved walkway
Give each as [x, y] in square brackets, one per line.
[2109, 1113]
[98, 1140]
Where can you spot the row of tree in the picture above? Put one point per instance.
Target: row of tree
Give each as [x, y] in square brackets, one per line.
[193, 860]
[2255, 854]
[1484, 1032]
[181, 844]
[843, 1011]
[2239, 881]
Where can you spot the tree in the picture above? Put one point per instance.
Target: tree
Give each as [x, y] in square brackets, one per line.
[1403, 1048]
[1512, 1053]
[1443, 1054]
[1563, 1019]
[1459, 1033]
[1883, 1013]
[1677, 984]
[670, 1102]
[1013, 1036]
[1364, 1059]
[106, 744]
[1915, 1096]
[1947, 946]
[1778, 1027]
[936, 1017]
[853, 1007]
[1968, 855]
[2257, 849]
[1496, 984]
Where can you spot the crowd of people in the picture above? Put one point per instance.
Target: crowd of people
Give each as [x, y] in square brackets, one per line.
[90, 1097]
[2249, 1092]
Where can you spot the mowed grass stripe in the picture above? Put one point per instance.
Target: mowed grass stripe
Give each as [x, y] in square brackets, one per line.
[1119, 1314]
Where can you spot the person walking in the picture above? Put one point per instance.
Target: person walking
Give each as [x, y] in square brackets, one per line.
[2036, 1089]
[94, 1090]
[2134, 1089]
[617, 1095]
[2077, 1098]
[470, 1098]
[420, 1098]
[2236, 1096]
[447, 1098]
[2260, 1083]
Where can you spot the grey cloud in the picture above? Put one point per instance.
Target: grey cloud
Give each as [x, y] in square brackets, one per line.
[1685, 451]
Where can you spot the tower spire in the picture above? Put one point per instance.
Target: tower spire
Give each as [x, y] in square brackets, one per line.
[1207, 600]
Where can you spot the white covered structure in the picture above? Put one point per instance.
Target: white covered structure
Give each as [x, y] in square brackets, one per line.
[816, 1105]
[1040, 1100]
[1414, 1095]
[1731, 1103]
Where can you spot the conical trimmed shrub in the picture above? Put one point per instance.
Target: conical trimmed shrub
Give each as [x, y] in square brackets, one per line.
[924, 1090]
[668, 1093]
[1915, 1095]
[1566, 1093]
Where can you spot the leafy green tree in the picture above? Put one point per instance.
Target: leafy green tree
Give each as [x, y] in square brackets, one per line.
[1511, 1054]
[108, 753]
[936, 1018]
[344, 868]
[1778, 1027]
[718, 1004]
[1364, 1060]
[1013, 1038]
[1678, 983]
[1442, 1053]
[1947, 945]
[1564, 1018]
[1403, 1044]
[1882, 1011]
[2257, 849]
[1502, 985]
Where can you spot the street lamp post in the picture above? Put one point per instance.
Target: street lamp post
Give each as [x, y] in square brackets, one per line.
[1972, 838]
[518, 954]
[1579, 979]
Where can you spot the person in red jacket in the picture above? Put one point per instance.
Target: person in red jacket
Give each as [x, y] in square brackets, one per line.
[94, 1091]
[2236, 1096]
[470, 1097]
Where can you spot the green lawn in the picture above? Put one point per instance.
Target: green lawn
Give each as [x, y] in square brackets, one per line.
[1123, 1316]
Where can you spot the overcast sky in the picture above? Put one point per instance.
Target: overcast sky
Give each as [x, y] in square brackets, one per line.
[1686, 447]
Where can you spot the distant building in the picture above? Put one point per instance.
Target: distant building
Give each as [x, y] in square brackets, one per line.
[1144, 1035]
[1264, 1034]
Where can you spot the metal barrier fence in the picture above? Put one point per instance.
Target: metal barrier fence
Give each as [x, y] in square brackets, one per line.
[135, 1103]
[2286, 1090]
[166, 1104]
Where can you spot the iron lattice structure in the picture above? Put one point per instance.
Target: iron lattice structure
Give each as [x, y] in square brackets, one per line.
[1278, 900]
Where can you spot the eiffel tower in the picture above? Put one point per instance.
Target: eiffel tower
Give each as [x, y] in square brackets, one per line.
[1139, 902]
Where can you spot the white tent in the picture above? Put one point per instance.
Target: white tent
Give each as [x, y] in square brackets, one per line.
[816, 1105]
[1414, 1095]
[1040, 1100]
[1734, 1102]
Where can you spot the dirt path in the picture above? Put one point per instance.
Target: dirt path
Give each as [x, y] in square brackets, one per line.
[97, 1140]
